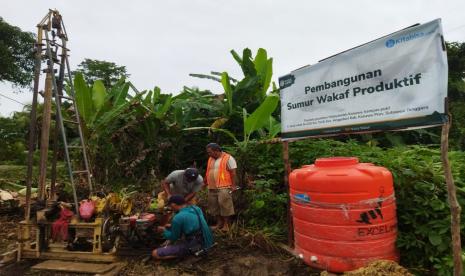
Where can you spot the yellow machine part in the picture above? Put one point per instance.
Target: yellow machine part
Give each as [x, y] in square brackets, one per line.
[161, 200]
[113, 201]
[99, 203]
[126, 206]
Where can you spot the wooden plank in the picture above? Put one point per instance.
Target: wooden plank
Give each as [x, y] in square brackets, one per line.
[76, 267]
[8, 257]
[115, 271]
[70, 256]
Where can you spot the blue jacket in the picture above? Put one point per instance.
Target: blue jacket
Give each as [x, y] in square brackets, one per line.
[186, 222]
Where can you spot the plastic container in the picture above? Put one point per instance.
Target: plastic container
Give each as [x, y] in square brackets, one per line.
[344, 213]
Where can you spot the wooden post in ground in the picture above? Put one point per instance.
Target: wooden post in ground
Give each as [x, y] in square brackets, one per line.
[287, 171]
[455, 208]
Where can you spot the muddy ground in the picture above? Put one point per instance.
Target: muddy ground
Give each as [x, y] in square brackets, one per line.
[8, 229]
[240, 253]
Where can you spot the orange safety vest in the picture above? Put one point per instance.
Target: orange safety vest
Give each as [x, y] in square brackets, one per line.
[223, 179]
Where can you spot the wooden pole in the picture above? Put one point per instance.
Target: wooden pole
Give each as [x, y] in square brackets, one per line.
[455, 208]
[287, 171]
[32, 124]
[44, 140]
[61, 77]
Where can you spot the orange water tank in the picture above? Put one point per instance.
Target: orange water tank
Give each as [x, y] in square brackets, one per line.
[344, 213]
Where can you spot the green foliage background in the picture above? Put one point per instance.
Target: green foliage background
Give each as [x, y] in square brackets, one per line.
[421, 195]
[16, 55]
[108, 72]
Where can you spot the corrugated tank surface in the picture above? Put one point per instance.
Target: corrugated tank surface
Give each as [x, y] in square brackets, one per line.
[344, 213]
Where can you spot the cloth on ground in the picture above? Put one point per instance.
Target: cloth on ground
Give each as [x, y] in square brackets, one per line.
[60, 226]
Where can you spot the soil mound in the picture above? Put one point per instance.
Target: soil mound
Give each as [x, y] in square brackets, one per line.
[377, 268]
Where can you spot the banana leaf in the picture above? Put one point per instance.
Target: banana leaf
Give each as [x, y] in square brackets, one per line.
[227, 91]
[236, 57]
[161, 112]
[83, 98]
[264, 67]
[148, 100]
[261, 116]
[120, 93]
[203, 76]
[99, 94]
[111, 115]
[248, 67]
[273, 127]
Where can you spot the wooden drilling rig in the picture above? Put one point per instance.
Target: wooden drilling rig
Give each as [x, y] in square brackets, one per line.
[52, 72]
[102, 231]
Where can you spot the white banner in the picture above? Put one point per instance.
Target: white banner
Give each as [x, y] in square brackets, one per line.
[395, 82]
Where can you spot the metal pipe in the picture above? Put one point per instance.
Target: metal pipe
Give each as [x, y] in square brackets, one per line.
[61, 75]
[60, 121]
[78, 119]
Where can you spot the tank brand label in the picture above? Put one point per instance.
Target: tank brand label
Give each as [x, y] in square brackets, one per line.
[366, 217]
[301, 198]
[376, 230]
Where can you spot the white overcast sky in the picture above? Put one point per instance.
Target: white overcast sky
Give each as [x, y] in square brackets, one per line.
[161, 42]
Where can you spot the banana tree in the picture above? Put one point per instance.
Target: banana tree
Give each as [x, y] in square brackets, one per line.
[97, 106]
[260, 119]
[195, 107]
[152, 114]
[109, 114]
[248, 93]
[144, 133]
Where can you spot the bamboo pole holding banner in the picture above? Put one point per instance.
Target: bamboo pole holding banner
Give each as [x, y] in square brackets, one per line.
[454, 206]
[287, 171]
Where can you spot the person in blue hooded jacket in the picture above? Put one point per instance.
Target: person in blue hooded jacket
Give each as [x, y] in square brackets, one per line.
[187, 233]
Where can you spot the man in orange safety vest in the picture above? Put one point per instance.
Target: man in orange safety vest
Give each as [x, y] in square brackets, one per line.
[221, 181]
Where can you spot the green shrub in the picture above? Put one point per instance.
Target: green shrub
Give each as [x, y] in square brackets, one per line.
[12, 146]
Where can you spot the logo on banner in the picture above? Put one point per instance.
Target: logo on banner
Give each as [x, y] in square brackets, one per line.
[286, 81]
[392, 42]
